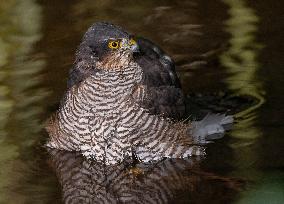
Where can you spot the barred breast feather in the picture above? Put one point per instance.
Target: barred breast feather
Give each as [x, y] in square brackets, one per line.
[101, 118]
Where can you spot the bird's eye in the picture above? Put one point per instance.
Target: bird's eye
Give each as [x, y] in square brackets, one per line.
[113, 44]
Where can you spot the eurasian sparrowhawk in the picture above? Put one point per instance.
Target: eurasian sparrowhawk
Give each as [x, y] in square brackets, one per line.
[123, 101]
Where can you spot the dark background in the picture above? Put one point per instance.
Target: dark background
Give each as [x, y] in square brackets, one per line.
[241, 41]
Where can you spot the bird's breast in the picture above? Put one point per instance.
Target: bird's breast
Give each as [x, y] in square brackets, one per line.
[107, 92]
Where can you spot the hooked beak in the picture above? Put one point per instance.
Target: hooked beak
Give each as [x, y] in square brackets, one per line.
[130, 45]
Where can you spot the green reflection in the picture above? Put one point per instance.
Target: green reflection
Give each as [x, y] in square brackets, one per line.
[241, 61]
[270, 191]
[20, 94]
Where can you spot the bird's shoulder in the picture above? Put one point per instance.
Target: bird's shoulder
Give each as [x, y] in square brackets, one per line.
[163, 88]
[158, 67]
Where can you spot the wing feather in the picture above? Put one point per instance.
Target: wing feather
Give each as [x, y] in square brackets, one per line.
[164, 94]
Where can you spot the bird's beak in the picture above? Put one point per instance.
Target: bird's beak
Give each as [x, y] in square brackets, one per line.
[130, 45]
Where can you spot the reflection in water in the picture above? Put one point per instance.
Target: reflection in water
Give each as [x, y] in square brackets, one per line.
[268, 190]
[20, 92]
[85, 181]
[242, 64]
[165, 22]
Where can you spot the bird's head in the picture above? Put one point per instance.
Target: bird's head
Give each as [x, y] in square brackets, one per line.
[106, 46]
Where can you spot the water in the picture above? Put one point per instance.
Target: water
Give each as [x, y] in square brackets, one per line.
[240, 40]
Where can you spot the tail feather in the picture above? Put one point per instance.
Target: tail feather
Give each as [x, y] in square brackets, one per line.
[212, 126]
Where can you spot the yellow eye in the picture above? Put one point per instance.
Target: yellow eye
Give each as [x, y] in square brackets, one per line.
[132, 41]
[113, 44]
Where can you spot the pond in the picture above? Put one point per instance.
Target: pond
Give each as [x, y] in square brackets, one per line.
[229, 56]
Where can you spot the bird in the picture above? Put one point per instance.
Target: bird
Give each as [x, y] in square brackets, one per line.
[124, 101]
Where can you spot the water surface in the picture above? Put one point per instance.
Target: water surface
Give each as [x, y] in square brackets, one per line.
[229, 56]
